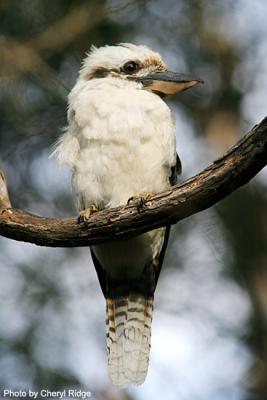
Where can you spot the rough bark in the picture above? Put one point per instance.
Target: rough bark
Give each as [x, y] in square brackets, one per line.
[234, 169]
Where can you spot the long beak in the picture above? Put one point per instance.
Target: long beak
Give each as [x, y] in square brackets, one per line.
[168, 82]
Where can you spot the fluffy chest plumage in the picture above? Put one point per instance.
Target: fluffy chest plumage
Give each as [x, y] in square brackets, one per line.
[126, 142]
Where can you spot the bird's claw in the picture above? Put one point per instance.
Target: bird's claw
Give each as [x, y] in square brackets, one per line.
[85, 215]
[140, 201]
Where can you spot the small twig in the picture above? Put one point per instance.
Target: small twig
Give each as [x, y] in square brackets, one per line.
[241, 163]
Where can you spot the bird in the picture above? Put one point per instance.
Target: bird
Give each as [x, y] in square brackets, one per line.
[120, 144]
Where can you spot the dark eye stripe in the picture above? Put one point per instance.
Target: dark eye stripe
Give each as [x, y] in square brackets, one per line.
[100, 72]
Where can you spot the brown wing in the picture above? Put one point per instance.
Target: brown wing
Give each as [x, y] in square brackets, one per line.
[175, 171]
[100, 273]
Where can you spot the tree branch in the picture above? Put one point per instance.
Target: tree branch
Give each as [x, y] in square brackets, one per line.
[241, 163]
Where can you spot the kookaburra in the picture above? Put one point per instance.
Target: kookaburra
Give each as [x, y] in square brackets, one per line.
[120, 144]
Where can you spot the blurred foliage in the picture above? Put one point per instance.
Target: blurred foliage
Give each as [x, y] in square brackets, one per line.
[41, 47]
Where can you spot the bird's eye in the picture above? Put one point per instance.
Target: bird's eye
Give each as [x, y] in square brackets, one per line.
[130, 67]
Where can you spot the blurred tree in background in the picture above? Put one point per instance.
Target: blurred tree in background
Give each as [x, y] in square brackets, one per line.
[210, 327]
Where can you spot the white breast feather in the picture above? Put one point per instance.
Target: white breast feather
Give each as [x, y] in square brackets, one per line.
[120, 142]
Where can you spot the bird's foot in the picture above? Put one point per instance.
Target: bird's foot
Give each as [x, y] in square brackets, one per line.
[140, 200]
[85, 215]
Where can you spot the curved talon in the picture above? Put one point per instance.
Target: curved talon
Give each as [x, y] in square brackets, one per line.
[140, 201]
[85, 215]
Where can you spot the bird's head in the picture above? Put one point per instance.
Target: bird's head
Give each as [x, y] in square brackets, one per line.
[138, 64]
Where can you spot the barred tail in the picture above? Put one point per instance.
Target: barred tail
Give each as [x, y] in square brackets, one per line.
[128, 321]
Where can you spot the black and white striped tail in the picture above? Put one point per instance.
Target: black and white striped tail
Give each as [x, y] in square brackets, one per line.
[128, 321]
